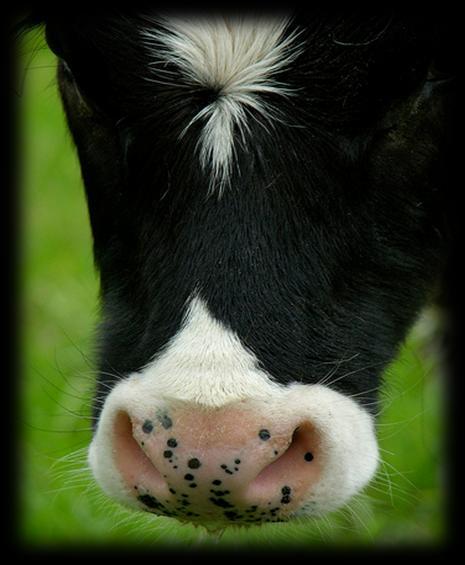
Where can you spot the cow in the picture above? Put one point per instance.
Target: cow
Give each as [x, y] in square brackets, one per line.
[268, 202]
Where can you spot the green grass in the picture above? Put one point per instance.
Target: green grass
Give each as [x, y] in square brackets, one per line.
[60, 505]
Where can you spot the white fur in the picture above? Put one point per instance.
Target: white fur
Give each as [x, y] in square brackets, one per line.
[239, 59]
[206, 364]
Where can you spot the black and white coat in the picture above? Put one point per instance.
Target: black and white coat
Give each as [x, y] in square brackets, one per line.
[267, 196]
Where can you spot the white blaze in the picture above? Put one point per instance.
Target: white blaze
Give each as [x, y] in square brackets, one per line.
[207, 364]
[239, 58]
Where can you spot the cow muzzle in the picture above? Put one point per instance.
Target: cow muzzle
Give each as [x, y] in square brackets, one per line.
[305, 450]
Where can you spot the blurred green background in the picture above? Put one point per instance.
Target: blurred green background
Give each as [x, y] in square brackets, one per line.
[60, 505]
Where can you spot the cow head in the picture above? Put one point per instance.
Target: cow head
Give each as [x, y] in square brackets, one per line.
[265, 195]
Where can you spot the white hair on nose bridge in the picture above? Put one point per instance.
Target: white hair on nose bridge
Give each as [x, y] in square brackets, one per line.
[238, 58]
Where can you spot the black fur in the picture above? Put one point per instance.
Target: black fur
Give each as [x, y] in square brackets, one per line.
[332, 232]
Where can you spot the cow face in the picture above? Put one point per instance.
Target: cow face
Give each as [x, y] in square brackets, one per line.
[265, 199]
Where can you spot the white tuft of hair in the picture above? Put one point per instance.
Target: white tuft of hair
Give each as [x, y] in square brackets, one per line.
[237, 57]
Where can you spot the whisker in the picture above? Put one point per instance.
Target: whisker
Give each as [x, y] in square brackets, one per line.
[355, 371]
[56, 431]
[338, 363]
[55, 386]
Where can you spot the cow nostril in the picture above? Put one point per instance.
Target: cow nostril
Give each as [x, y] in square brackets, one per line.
[264, 481]
[297, 465]
[130, 459]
